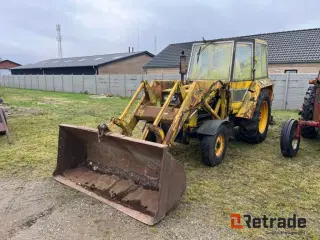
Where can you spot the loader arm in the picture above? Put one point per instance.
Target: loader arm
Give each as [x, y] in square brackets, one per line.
[196, 95]
[148, 98]
[192, 98]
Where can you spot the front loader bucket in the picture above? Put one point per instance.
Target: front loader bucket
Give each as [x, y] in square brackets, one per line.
[137, 177]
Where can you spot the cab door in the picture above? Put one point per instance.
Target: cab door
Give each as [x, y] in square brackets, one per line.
[242, 74]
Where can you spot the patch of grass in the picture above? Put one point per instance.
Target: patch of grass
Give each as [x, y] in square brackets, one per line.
[34, 126]
[154, 230]
[253, 179]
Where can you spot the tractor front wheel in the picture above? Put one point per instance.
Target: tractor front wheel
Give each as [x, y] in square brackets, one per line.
[213, 148]
[289, 142]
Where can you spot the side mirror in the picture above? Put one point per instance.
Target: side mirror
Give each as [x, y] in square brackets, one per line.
[183, 63]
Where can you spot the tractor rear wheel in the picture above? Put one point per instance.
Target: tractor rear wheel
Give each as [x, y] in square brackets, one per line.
[307, 113]
[213, 148]
[289, 143]
[255, 130]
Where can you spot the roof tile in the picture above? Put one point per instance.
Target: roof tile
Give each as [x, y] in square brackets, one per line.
[284, 47]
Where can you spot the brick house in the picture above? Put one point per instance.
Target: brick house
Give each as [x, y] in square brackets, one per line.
[5, 65]
[290, 51]
[117, 63]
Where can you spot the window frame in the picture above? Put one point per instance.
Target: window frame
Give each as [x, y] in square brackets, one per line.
[214, 42]
[234, 59]
[258, 41]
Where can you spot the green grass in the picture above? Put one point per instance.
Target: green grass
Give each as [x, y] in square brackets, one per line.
[253, 179]
[34, 120]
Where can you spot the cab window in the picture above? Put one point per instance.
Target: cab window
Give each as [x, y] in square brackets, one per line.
[261, 61]
[243, 62]
[211, 61]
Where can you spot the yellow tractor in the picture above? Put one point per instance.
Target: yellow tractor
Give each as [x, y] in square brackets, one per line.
[226, 85]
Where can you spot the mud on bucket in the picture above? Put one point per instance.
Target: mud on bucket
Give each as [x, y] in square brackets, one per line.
[137, 177]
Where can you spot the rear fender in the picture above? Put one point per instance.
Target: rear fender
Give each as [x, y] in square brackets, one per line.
[249, 103]
[210, 127]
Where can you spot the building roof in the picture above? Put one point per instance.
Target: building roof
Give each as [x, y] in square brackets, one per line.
[84, 61]
[297, 46]
[7, 60]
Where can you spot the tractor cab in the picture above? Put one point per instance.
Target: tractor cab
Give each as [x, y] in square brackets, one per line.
[236, 63]
[234, 60]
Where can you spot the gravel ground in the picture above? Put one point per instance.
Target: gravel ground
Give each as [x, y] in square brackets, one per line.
[48, 210]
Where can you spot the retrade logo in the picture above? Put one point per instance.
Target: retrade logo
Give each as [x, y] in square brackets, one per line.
[267, 222]
[236, 220]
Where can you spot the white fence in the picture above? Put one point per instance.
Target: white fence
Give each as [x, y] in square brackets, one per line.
[289, 88]
[122, 85]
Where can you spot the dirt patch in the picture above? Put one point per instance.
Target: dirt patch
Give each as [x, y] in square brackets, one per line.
[21, 111]
[19, 98]
[103, 96]
[46, 100]
[29, 221]
[33, 219]
[46, 209]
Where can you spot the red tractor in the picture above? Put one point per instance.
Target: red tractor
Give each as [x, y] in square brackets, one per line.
[308, 124]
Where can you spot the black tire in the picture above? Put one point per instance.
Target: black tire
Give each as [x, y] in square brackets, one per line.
[208, 146]
[5, 119]
[249, 128]
[289, 144]
[307, 113]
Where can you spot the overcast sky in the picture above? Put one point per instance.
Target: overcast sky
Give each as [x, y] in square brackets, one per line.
[89, 27]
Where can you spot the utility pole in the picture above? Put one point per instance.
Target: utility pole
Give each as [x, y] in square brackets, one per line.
[59, 38]
[138, 40]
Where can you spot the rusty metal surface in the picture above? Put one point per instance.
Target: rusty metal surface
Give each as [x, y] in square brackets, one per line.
[249, 103]
[191, 98]
[126, 130]
[158, 86]
[3, 125]
[137, 177]
[149, 113]
[120, 190]
[157, 131]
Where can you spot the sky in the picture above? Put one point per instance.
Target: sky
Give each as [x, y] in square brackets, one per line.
[90, 27]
